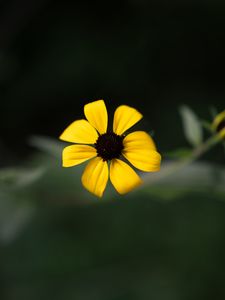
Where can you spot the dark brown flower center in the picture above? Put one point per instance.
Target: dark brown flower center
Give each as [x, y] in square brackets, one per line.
[109, 145]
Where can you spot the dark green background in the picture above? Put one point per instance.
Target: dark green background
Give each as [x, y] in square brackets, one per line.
[155, 55]
[55, 56]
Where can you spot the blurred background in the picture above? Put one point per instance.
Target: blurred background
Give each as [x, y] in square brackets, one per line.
[57, 241]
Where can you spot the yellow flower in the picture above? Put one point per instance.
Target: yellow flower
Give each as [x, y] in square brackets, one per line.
[219, 124]
[108, 145]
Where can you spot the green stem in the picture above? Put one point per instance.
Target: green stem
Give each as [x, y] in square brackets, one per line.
[178, 165]
[202, 148]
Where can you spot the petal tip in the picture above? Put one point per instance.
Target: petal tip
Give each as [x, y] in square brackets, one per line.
[95, 177]
[61, 137]
[95, 193]
[131, 188]
[79, 131]
[123, 177]
[125, 117]
[96, 114]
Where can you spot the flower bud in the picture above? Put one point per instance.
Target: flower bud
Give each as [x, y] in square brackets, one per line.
[218, 124]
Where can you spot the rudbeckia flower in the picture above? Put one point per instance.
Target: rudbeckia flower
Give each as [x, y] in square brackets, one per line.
[219, 124]
[105, 149]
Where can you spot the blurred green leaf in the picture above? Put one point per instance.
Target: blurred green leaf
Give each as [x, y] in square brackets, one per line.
[179, 153]
[20, 177]
[48, 145]
[198, 177]
[192, 126]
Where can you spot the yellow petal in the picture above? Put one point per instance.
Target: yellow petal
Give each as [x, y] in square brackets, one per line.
[140, 151]
[124, 118]
[139, 139]
[97, 116]
[76, 154]
[80, 131]
[123, 177]
[95, 176]
[144, 159]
